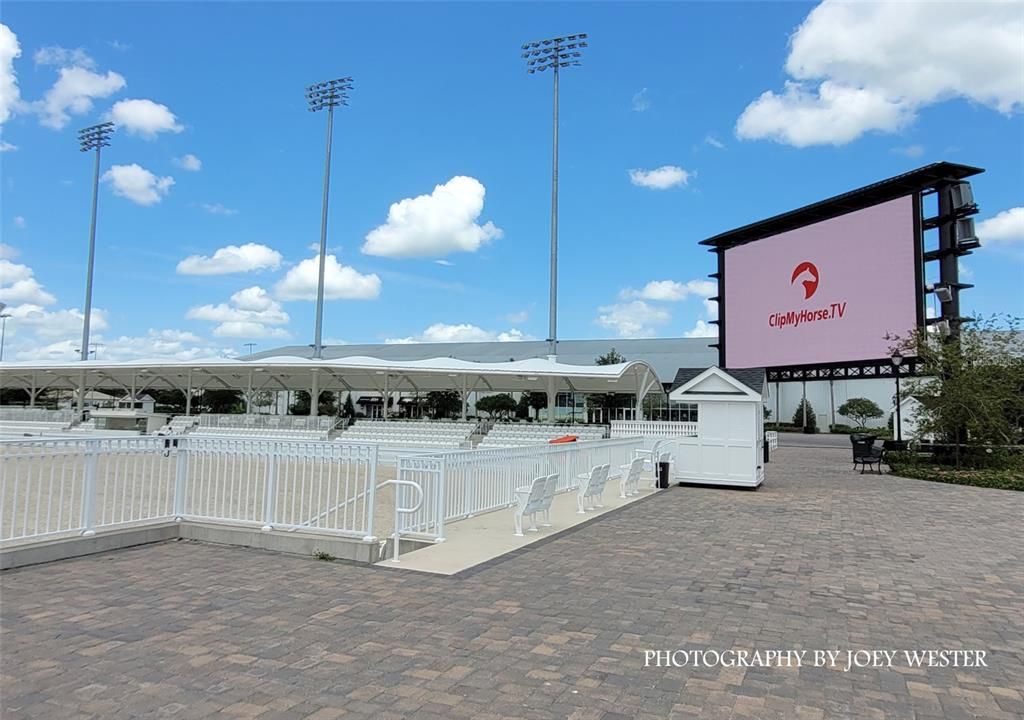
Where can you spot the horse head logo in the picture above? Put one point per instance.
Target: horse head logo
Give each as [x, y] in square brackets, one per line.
[810, 284]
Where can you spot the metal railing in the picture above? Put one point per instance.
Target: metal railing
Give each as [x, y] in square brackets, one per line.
[772, 438]
[653, 428]
[75, 486]
[459, 484]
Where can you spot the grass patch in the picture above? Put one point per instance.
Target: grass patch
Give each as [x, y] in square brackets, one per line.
[999, 478]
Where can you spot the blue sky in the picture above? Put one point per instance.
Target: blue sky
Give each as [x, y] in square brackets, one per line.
[215, 150]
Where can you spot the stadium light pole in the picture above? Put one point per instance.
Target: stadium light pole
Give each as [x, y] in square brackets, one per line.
[554, 54]
[94, 137]
[329, 94]
[3, 329]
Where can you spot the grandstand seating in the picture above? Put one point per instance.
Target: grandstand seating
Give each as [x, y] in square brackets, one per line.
[261, 433]
[516, 434]
[179, 425]
[32, 427]
[417, 433]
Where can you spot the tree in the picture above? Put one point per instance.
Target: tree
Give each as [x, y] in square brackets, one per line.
[501, 405]
[798, 417]
[327, 405]
[263, 398]
[444, 403]
[349, 410]
[971, 387]
[609, 358]
[13, 396]
[860, 410]
[221, 401]
[172, 401]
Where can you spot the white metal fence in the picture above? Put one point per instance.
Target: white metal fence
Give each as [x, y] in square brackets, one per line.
[34, 414]
[77, 486]
[652, 428]
[459, 484]
[772, 438]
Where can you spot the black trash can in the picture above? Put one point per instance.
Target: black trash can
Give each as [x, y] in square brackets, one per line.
[662, 475]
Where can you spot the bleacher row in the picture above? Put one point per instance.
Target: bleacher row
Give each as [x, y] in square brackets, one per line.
[513, 435]
[32, 427]
[269, 433]
[415, 433]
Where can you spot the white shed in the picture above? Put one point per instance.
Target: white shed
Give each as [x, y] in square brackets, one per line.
[729, 445]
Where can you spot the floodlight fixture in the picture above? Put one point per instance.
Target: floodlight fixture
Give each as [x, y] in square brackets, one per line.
[963, 198]
[966, 239]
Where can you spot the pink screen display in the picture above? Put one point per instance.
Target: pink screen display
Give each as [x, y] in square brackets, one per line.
[823, 293]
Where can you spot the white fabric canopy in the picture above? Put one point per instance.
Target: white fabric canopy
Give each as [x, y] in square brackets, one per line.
[360, 374]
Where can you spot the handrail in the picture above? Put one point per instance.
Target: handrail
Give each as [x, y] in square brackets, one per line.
[401, 510]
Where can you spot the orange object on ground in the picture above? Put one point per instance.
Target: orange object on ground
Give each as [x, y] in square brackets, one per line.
[563, 439]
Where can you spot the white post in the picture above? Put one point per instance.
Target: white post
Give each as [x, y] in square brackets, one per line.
[248, 395]
[384, 398]
[89, 491]
[180, 478]
[270, 491]
[188, 395]
[131, 400]
[465, 398]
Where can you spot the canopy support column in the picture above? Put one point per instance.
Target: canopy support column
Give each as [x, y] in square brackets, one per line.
[33, 392]
[384, 399]
[552, 396]
[248, 395]
[314, 395]
[188, 394]
[465, 397]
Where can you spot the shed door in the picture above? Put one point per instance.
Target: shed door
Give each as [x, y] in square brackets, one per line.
[728, 433]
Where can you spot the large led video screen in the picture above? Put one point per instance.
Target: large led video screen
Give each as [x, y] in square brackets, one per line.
[823, 293]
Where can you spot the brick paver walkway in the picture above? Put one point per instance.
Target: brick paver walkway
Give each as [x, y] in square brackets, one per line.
[819, 558]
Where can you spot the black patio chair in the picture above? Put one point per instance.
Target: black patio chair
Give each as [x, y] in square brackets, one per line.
[865, 453]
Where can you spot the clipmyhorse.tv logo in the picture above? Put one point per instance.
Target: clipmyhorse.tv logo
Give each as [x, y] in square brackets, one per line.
[809, 279]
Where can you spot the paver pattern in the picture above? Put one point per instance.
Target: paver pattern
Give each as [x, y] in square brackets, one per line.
[819, 558]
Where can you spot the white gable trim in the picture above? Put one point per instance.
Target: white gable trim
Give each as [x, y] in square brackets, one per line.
[692, 388]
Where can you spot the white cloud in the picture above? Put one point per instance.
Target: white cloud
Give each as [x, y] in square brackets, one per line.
[170, 344]
[73, 93]
[249, 313]
[462, 332]
[862, 67]
[641, 103]
[232, 259]
[910, 151]
[44, 323]
[19, 285]
[137, 184]
[633, 319]
[518, 318]
[8, 252]
[189, 162]
[7, 147]
[20, 222]
[713, 142]
[671, 291]
[445, 263]
[218, 209]
[63, 57]
[341, 282]
[1005, 228]
[663, 178]
[144, 118]
[701, 330]
[10, 96]
[437, 224]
